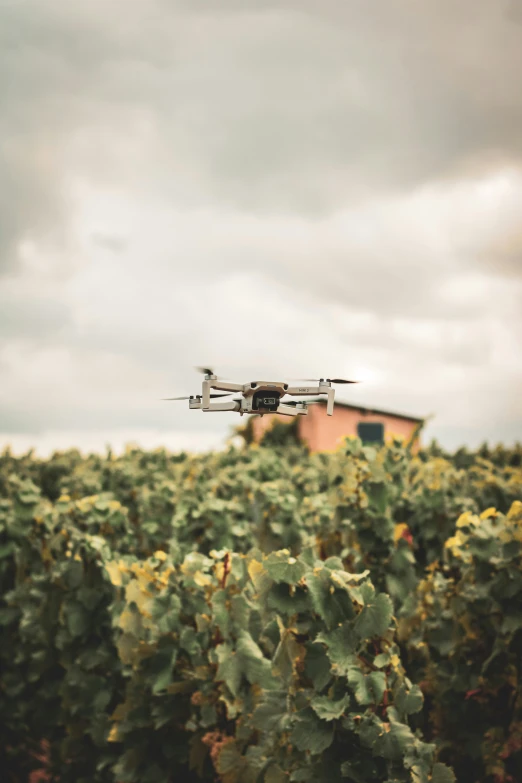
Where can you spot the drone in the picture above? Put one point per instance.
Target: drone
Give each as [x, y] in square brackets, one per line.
[261, 397]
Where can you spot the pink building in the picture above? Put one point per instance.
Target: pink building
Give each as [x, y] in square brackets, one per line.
[325, 433]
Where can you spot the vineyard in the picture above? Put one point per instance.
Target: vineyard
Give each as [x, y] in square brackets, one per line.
[262, 615]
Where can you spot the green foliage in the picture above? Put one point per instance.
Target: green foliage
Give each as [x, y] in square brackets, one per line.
[463, 630]
[219, 682]
[262, 614]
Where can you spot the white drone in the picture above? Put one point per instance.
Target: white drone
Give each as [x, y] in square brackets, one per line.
[260, 397]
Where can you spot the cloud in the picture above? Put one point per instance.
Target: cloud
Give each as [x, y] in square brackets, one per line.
[277, 187]
[287, 107]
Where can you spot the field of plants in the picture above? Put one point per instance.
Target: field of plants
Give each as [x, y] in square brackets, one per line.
[262, 615]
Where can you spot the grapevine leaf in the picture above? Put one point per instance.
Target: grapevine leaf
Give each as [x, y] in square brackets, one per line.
[229, 761]
[221, 613]
[311, 734]
[282, 567]
[286, 602]
[378, 495]
[326, 709]
[334, 563]
[259, 576]
[228, 670]
[375, 617]
[330, 597]
[395, 743]
[162, 680]
[381, 660]
[288, 655]
[368, 688]
[317, 666]
[272, 715]
[409, 701]
[442, 774]
[341, 645]
[256, 667]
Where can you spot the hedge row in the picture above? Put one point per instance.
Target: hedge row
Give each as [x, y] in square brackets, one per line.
[248, 667]
[261, 614]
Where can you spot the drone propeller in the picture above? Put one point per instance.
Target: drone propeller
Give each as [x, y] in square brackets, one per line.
[330, 380]
[300, 402]
[209, 371]
[196, 396]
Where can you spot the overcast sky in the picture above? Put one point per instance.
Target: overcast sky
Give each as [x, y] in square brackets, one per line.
[300, 187]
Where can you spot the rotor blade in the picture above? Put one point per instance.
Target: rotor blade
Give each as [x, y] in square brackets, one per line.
[210, 371]
[330, 380]
[300, 402]
[197, 396]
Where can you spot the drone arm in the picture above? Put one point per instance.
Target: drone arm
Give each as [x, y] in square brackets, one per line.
[227, 386]
[289, 410]
[330, 403]
[323, 388]
[205, 399]
[212, 383]
[304, 390]
[224, 406]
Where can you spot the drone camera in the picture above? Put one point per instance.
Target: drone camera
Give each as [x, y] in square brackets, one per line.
[262, 400]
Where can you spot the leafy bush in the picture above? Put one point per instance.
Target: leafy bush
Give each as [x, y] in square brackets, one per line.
[253, 667]
[60, 671]
[464, 634]
[232, 616]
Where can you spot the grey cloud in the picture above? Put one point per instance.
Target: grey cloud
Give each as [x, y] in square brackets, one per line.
[278, 111]
[503, 255]
[113, 243]
[34, 318]
[28, 206]
[289, 107]
[70, 416]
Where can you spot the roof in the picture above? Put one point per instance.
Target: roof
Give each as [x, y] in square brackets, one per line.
[370, 411]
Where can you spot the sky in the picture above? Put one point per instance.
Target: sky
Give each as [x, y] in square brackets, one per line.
[277, 189]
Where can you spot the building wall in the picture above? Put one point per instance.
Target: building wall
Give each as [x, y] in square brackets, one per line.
[324, 433]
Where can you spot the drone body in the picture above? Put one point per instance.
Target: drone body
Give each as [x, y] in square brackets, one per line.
[260, 397]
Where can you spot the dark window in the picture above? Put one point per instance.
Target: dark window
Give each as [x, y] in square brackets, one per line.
[370, 433]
